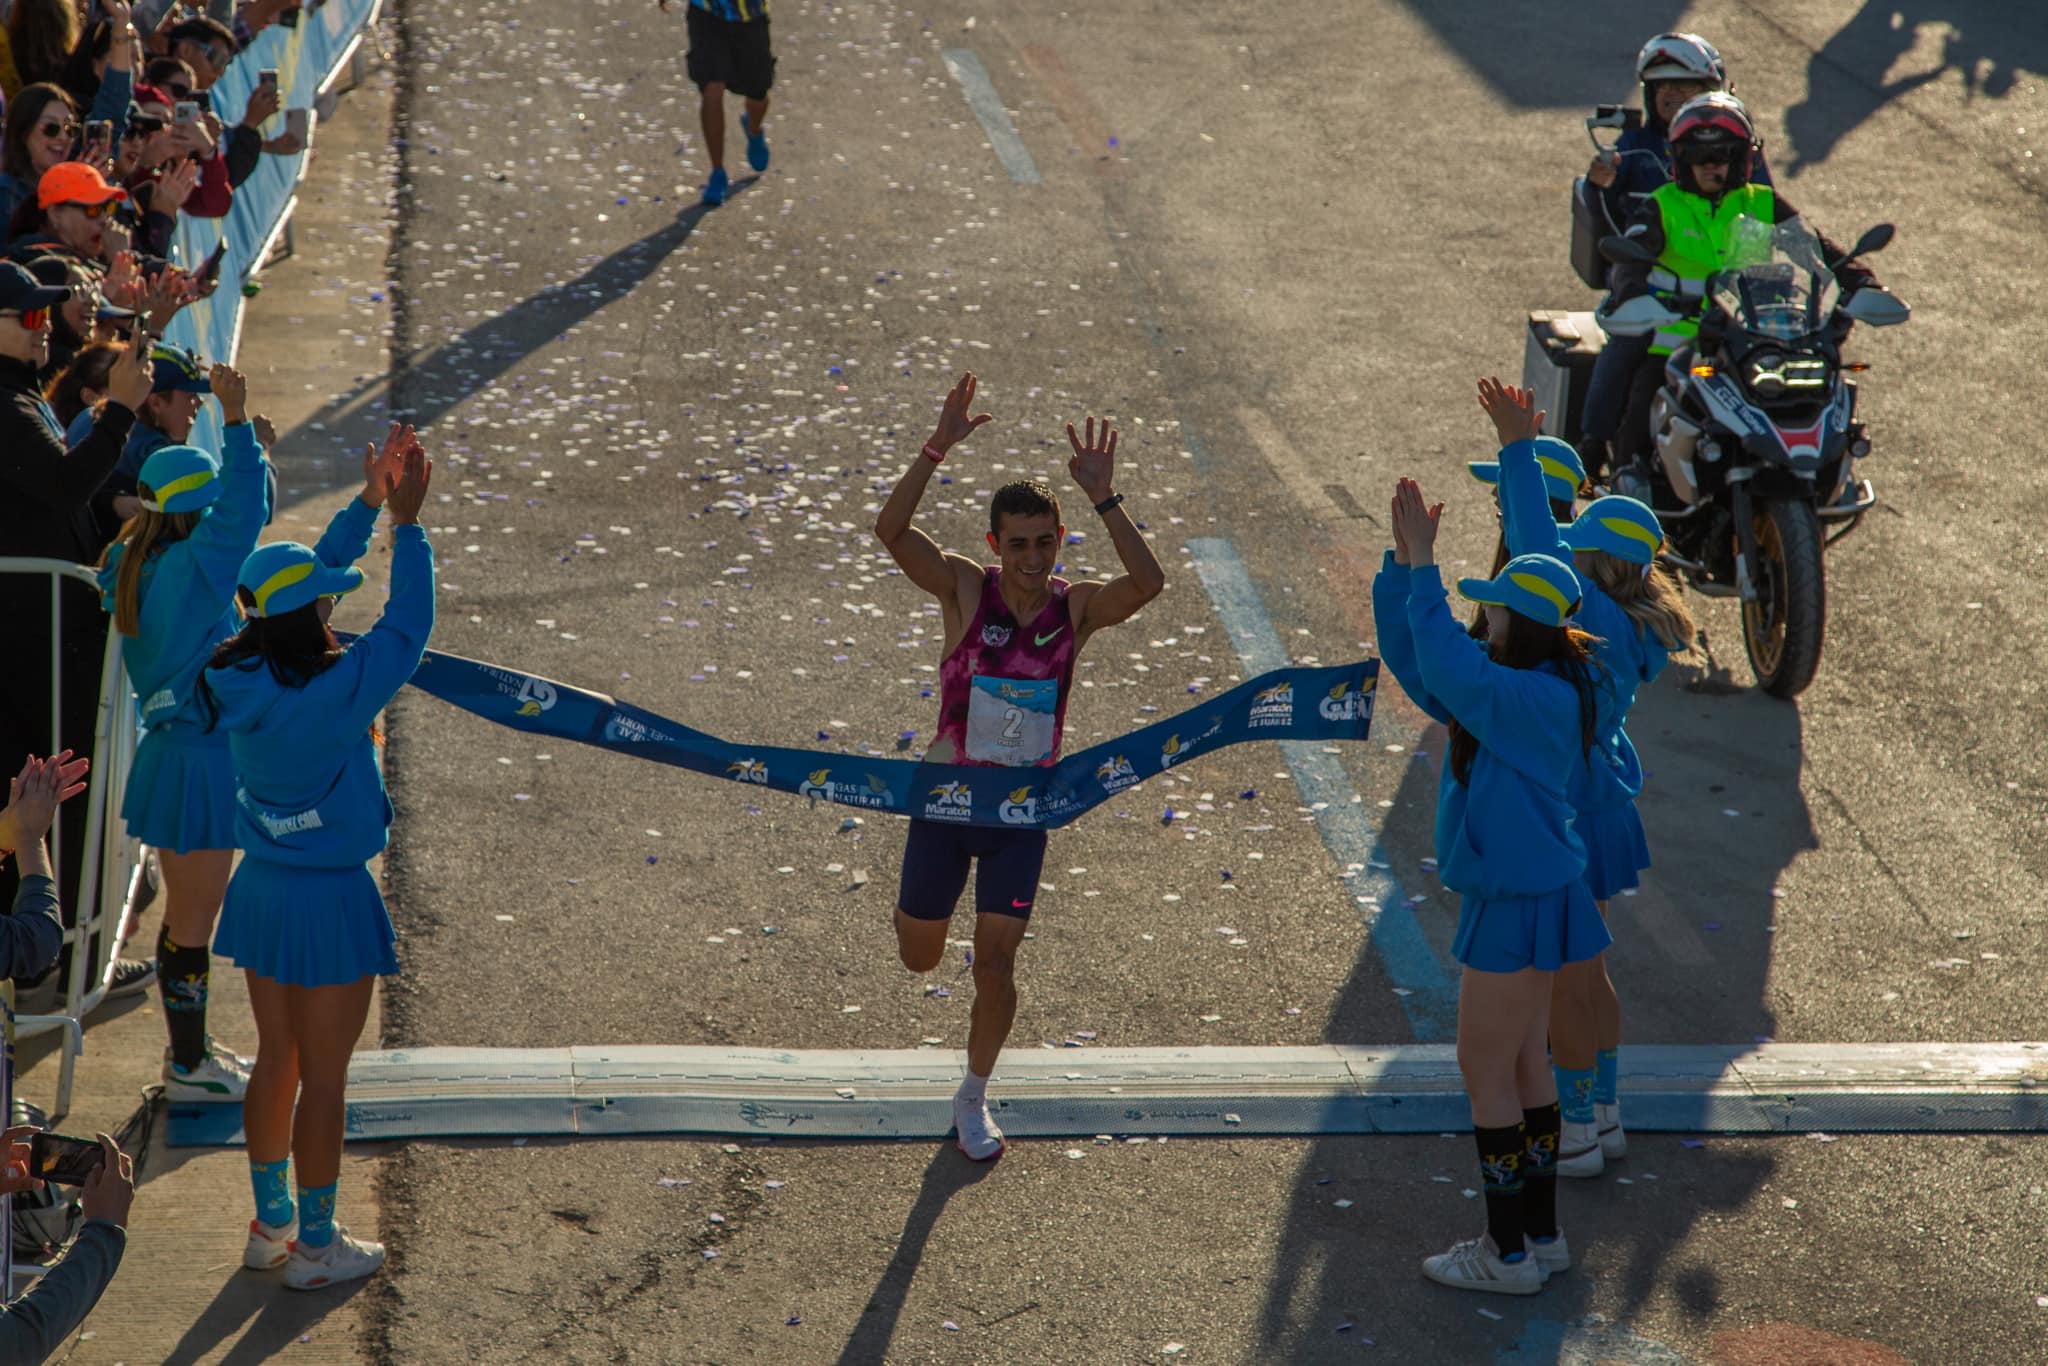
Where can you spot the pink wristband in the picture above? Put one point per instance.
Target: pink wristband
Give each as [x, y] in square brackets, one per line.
[934, 454]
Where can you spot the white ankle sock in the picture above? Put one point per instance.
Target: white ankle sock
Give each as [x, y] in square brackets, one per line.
[973, 1088]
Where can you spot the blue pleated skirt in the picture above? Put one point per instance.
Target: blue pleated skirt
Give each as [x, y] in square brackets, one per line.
[1508, 934]
[306, 927]
[1616, 850]
[181, 791]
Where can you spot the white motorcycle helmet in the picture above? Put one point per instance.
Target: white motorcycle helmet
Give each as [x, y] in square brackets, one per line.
[1681, 57]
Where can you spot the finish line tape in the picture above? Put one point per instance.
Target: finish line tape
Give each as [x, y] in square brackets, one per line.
[1332, 703]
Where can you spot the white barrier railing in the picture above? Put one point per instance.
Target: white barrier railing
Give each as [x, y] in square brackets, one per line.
[113, 858]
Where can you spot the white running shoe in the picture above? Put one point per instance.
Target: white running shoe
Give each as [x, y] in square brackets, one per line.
[1578, 1149]
[1613, 1142]
[344, 1259]
[1553, 1256]
[220, 1076]
[269, 1244]
[980, 1139]
[1476, 1265]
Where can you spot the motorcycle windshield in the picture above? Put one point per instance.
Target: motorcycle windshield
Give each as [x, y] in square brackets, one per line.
[1777, 282]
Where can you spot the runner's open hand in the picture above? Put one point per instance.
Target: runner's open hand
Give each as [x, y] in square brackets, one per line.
[1514, 412]
[955, 425]
[1415, 522]
[1094, 462]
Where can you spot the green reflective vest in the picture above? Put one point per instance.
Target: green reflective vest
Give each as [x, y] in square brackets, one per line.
[1699, 238]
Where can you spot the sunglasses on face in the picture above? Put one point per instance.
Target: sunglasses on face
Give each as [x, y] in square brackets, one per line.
[143, 128]
[53, 130]
[180, 92]
[93, 211]
[32, 319]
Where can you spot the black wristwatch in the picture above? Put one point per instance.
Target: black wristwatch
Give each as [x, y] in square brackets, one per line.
[1103, 508]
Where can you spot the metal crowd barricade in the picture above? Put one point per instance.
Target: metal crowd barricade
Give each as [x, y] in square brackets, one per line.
[113, 858]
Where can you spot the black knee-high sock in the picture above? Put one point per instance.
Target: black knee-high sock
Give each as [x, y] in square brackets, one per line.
[1500, 1170]
[1539, 1170]
[183, 973]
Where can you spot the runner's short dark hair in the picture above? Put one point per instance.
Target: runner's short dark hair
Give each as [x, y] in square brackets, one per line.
[1026, 498]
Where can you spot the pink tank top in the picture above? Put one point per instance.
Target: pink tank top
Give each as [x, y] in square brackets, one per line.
[1003, 689]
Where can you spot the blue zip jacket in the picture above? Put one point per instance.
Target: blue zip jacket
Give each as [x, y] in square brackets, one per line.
[1509, 832]
[311, 792]
[187, 588]
[1629, 655]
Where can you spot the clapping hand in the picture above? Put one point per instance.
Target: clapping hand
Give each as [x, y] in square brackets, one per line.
[1415, 523]
[34, 794]
[232, 390]
[1514, 412]
[123, 286]
[1094, 462]
[381, 469]
[409, 494]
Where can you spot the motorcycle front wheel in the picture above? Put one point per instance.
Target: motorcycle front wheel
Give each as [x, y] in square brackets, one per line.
[1784, 626]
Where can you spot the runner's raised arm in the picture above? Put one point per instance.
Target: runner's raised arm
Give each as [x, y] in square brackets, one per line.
[920, 557]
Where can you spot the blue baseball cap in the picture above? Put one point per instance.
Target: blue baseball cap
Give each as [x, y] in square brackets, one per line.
[1563, 471]
[1538, 587]
[285, 576]
[175, 368]
[1622, 527]
[182, 478]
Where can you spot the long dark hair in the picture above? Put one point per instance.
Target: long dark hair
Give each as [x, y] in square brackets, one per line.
[297, 646]
[1530, 644]
[24, 112]
[41, 34]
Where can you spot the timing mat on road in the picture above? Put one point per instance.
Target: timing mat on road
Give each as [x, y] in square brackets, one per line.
[1067, 1092]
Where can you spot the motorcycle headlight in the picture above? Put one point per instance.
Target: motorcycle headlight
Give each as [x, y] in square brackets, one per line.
[1772, 374]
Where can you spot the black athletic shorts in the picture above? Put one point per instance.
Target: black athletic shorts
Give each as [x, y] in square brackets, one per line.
[1007, 864]
[731, 54]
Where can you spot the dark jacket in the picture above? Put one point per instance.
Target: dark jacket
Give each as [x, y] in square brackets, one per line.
[46, 495]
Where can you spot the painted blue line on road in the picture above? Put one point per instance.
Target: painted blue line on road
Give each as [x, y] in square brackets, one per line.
[1430, 1000]
[995, 119]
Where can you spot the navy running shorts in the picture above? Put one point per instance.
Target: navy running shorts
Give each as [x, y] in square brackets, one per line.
[734, 55]
[935, 857]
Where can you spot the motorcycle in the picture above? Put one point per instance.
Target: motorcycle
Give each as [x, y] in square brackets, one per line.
[1755, 429]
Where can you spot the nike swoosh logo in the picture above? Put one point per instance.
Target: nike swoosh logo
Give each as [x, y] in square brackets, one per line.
[1040, 640]
[1017, 905]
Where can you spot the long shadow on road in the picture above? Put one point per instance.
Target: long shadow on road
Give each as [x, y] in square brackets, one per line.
[427, 387]
[1849, 78]
[1550, 56]
[1691, 961]
[946, 1177]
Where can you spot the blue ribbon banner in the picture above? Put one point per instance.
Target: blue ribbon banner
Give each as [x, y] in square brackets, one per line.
[1333, 703]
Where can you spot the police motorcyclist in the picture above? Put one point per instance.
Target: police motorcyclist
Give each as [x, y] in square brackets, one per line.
[1689, 226]
[1672, 68]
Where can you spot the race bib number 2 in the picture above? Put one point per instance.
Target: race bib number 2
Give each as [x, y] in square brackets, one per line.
[1010, 720]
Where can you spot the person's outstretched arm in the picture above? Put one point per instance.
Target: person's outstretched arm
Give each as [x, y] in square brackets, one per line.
[385, 656]
[1094, 468]
[915, 553]
[1527, 524]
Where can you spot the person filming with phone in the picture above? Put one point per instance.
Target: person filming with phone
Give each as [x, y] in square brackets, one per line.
[35, 1325]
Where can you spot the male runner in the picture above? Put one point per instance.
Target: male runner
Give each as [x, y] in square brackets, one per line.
[1013, 631]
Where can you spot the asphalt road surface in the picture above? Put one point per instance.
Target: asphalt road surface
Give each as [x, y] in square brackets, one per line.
[1276, 246]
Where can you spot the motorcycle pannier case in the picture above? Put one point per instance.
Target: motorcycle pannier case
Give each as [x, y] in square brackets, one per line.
[1589, 225]
[1558, 365]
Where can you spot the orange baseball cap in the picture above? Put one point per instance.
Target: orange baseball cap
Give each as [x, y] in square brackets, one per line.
[74, 182]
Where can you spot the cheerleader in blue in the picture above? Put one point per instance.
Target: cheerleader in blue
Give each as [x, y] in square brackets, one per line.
[1520, 709]
[303, 916]
[1637, 617]
[169, 581]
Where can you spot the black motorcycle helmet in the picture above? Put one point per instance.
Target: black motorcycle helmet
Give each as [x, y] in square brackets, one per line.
[1713, 127]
